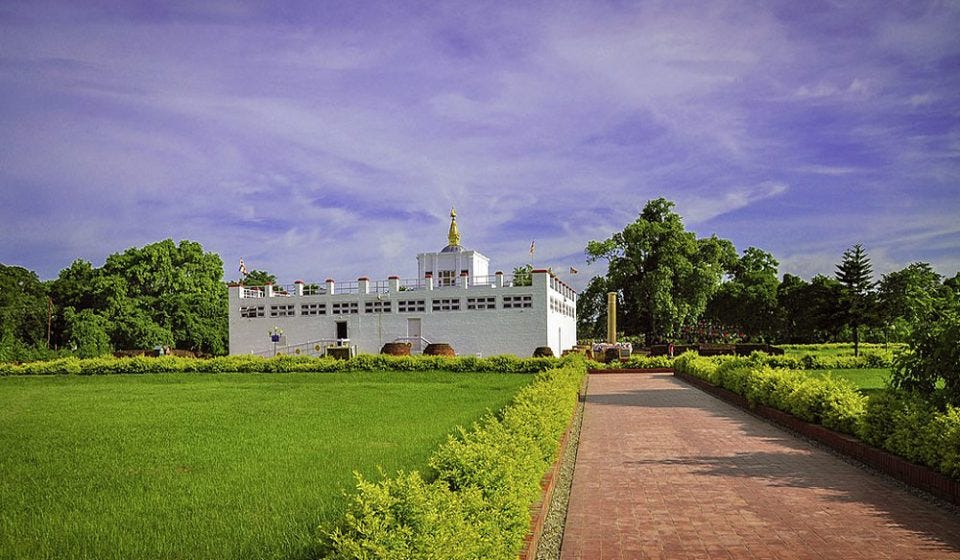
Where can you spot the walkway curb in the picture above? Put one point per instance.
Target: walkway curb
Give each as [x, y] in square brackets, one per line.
[917, 476]
[548, 483]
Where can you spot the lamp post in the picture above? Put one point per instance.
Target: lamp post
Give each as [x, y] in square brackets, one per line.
[275, 335]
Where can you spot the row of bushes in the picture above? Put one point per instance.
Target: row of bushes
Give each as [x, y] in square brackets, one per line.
[487, 478]
[278, 364]
[871, 359]
[874, 359]
[903, 424]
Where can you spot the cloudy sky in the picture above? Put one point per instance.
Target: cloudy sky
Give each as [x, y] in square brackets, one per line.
[325, 139]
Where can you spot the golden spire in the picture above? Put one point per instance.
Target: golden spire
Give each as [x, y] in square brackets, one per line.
[454, 236]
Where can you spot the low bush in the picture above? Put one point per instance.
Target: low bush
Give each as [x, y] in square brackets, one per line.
[279, 364]
[478, 506]
[835, 403]
[641, 362]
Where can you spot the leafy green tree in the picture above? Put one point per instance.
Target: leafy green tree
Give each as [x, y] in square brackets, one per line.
[86, 333]
[523, 275]
[24, 311]
[810, 310]
[665, 275]
[855, 274]
[748, 300]
[592, 309]
[931, 367]
[161, 294]
[176, 296]
[259, 278]
[905, 295]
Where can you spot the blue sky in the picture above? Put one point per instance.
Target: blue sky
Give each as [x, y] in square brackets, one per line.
[325, 139]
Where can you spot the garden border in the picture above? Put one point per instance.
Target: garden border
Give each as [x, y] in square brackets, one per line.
[548, 483]
[916, 476]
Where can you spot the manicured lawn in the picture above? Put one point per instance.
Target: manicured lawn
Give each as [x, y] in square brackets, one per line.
[834, 349]
[867, 380]
[211, 465]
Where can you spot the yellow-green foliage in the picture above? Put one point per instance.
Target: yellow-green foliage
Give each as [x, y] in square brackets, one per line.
[486, 480]
[279, 364]
[835, 403]
[641, 362]
[915, 429]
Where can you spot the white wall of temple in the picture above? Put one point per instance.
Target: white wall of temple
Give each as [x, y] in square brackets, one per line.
[476, 264]
[486, 320]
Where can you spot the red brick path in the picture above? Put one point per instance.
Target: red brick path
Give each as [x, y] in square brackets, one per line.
[667, 471]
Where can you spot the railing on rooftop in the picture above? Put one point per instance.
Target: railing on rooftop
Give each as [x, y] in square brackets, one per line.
[404, 285]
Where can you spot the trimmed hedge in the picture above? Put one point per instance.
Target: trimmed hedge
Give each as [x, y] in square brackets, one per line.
[900, 423]
[871, 359]
[487, 478]
[278, 364]
[640, 362]
[868, 359]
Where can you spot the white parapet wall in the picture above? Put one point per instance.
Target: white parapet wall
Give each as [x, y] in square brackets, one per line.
[478, 316]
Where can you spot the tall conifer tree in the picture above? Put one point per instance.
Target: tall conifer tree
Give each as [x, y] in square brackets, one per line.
[856, 275]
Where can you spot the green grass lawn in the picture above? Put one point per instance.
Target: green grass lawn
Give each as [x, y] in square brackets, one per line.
[211, 465]
[867, 380]
[834, 349]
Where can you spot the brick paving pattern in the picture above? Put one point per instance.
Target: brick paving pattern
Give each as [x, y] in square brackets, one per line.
[667, 471]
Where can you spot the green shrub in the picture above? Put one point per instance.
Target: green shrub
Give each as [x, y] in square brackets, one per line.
[949, 426]
[283, 364]
[486, 480]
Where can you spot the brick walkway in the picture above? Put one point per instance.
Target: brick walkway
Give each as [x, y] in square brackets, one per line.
[667, 471]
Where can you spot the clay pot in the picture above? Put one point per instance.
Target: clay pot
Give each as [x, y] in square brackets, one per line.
[543, 352]
[396, 349]
[439, 349]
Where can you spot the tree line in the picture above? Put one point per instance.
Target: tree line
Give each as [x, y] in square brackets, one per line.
[673, 286]
[163, 294]
[670, 284]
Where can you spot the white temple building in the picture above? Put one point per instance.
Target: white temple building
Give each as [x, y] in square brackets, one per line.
[453, 300]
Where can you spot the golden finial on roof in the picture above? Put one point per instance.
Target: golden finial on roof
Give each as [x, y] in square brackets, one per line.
[454, 236]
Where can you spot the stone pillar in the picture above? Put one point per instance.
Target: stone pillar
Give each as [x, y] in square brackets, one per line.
[298, 288]
[393, 283]
[331, 286]
[612, 317]
[429, 280]
[363, 285]
[464, 279]
[498, 283]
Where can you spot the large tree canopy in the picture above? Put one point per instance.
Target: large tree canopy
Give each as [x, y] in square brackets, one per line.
[748, 300]
[23, 311]
[161, 294]
[664, 274]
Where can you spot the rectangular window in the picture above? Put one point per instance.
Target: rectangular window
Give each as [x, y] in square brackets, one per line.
[252, 312]
[345, 308]
[377, 307]
[446, 278]
[517, 302]
[411, 306]
[313, 309]
[481, 303]
[446, 305]
[282, 311]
